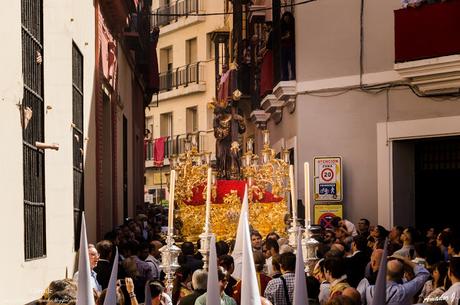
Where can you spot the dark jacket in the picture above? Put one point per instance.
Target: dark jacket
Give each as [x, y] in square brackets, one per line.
[192, 263]
[103, 270]
[356, 266]
[190, 299]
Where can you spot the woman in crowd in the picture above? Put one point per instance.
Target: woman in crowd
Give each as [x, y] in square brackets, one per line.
[437, 285]
[182, 284]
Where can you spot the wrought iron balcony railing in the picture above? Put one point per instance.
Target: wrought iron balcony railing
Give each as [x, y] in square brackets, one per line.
[167, 14]
[175, 145]
[182, 76]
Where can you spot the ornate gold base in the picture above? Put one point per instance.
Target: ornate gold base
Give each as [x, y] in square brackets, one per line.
[264, 217]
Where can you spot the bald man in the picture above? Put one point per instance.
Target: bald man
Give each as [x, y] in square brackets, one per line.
[399, 293]
[353, 294]
[371, 274]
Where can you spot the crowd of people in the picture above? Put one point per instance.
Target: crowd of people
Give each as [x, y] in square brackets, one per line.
[423, 267]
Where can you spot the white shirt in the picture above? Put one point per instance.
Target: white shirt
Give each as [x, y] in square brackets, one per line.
[350, 227]
[155, 266]
[269, 266]
[452, 295]
[93, 279]
[324, 292]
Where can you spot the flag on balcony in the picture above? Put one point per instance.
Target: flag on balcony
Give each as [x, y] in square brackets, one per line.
[159, 151]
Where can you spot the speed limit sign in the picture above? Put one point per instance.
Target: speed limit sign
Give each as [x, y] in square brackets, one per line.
[327, 174]
[328, 178]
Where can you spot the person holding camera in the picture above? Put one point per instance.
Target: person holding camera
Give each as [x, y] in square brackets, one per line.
[398, 291]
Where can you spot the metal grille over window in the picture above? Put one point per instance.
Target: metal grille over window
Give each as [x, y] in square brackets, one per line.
[78, 140]
[33, 129]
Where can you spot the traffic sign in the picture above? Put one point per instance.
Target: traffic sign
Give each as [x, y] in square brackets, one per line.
[327, 174]
[328, 179]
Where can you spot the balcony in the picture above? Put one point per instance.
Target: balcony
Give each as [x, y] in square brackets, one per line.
[178, 14]
[117, 12]
[181, 81]
[175, 145]
[427, 46]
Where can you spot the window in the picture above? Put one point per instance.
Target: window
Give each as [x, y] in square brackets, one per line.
[166, 59]
[166, 69]
[78, 140]
[166, 125]
[209, 46]
[192, 119]
[33, 129]
[191, 51]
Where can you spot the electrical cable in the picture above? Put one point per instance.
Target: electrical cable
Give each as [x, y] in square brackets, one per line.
[229, 13]
[361, 44]
[370, 89]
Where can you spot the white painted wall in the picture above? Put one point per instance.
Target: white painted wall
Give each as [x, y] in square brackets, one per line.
[64, 20]
[353, 124]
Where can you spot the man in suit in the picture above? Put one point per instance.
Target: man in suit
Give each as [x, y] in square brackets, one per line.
[357, 261]
[104, 265]
[188, 259]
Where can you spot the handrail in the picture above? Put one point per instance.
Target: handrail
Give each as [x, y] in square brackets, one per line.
[181, 76]
[174, 145]
[167, 14]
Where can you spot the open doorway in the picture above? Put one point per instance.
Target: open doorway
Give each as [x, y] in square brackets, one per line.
[426, 175]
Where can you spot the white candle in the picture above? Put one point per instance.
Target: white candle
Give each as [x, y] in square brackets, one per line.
[306, 167]
[266, 137]
[249, 146]
[293, 196]
[207, 220]
[172, 184]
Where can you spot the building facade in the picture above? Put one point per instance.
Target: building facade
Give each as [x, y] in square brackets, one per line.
[382, 97]
[72, 105]
[191, 48]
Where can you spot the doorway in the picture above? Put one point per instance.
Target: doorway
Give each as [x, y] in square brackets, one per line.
[426, 173]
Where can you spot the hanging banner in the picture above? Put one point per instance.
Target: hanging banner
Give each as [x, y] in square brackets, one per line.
[328, 178]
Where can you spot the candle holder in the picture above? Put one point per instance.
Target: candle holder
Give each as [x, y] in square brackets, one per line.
[266, 137]
[169, 261]
[286, 155]
[294, 230]
[250, 146]
[205, 241]
[264, 173]
[173, 161]
[199, 160]
[309, 249]
[207, 157]
[194, 141]
[187, 145]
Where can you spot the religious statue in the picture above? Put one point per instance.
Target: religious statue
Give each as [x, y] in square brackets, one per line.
[228, 124]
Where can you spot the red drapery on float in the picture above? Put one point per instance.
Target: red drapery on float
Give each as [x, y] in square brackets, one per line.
[225, 187]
